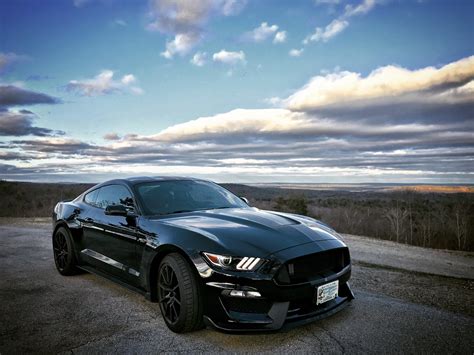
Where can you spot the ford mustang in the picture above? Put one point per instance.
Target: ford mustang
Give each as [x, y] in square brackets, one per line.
[204, 254]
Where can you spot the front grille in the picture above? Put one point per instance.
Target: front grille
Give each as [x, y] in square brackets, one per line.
[246, 305]
[313, 266]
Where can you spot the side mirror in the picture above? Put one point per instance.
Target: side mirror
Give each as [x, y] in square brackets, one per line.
[245, 200]
[116, 210]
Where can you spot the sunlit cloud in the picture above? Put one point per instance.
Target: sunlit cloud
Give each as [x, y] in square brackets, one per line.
[181, 44]
[386, 82]
[331, 128]
[103, 84]
[340, 23]
[229, 57]
[296, 52]
[186, 21]
[280, 37]
[330, 31]
[199, 59]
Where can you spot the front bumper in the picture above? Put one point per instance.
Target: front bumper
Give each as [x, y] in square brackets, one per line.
[280, 306]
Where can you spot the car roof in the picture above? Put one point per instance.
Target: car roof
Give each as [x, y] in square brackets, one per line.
[130, 181]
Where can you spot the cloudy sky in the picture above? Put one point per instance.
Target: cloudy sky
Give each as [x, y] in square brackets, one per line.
[238, 91]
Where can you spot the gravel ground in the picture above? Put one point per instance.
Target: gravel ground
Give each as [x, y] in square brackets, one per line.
[398, 308]
[450, 263]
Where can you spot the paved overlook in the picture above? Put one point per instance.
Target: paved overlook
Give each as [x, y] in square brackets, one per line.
[408, 300]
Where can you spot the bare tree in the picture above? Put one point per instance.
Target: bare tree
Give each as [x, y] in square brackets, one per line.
[352, 219]
[460, 227]
[426, 229]
[396, 216]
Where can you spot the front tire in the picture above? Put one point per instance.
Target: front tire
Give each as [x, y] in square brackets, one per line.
[179, 294]
[63, 249]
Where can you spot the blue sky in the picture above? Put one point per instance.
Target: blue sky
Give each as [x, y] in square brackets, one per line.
[120, 74]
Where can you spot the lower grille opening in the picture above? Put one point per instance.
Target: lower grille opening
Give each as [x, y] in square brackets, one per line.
[313, 266]
[246, 305]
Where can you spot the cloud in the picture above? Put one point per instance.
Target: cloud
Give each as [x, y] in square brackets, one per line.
[11, 95]
[8, 59]
[54, 145]
[235, 121]
[331, 30]
[261, 33]
[273, 101]
[112, 137]
[361, 9]
[339, 24]
[264, 32]
[269, 124]
[403, 126]
[199, 59]
[20, 123]
[180, 16]
[230, 7]
[104, 84]
[229, 58]
[181, 44]
[296, 52]
[280, 37]
[120, 22]
[186, 20]
[392, 82]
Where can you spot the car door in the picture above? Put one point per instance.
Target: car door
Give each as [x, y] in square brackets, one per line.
[110, 242]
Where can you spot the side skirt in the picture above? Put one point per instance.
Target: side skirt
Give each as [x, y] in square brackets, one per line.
[114, 279]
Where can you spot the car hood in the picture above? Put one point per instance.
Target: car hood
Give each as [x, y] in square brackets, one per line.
[250, 231]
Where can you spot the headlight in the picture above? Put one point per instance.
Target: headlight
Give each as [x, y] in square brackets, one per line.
[233, 263]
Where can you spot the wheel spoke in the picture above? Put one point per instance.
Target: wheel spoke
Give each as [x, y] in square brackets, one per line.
[167, 289]
[174, 311]
[60, 249]
[163, 277]
[168, 275]
[168, 293]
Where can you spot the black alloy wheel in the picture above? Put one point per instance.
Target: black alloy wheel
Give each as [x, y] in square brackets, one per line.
[179, 294]
[64, 257]
[170, 298]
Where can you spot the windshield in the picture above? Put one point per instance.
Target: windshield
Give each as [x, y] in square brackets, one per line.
[177, 196]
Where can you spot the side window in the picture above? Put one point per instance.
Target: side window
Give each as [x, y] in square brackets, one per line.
[91, 197]
[114, 195]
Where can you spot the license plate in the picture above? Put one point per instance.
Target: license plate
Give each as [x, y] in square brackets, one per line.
[327, 292]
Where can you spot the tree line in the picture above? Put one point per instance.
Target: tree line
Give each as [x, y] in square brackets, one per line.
[443, 222]
[434, 220]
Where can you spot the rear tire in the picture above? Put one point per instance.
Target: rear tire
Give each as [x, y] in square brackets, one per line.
[63, 249]
[179, 294]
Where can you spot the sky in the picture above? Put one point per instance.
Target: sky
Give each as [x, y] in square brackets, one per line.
[253, 91]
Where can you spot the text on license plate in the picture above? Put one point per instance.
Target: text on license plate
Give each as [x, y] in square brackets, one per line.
[327, 292]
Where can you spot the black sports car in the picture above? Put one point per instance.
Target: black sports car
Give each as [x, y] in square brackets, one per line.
[204, 254]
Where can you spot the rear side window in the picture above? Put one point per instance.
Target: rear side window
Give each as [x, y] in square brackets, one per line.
[114, 195]
[91, 197]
